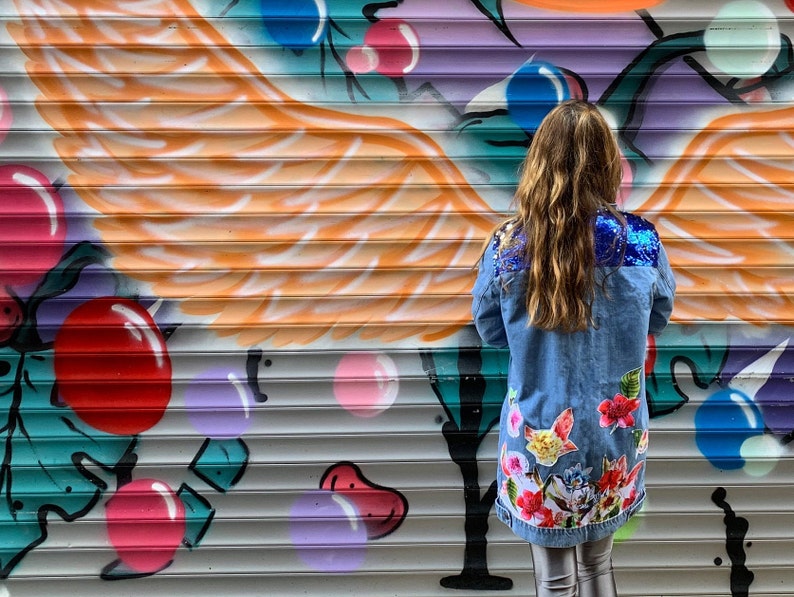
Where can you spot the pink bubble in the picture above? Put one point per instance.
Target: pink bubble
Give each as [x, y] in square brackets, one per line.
[366, 383]
[6, 115]
[146, 523]
[627, 183]
[32, 224]
[397, 46]
[362, 59]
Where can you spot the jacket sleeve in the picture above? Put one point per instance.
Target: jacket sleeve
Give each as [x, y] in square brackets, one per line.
[486, 307]
[663, 295]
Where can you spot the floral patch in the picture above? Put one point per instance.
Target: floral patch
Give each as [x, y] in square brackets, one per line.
[640, 441]
[513, 463]
[547, 445]
[514, 417]
[619, 412]
[574, 498]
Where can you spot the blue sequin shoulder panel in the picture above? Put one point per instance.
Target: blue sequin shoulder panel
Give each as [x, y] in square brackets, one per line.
[508, 257]
[636, 244]
[639, 238]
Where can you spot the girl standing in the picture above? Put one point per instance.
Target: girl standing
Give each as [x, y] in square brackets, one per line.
[572, 287]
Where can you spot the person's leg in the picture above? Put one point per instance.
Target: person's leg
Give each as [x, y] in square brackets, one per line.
[555, 571]
[594, 562]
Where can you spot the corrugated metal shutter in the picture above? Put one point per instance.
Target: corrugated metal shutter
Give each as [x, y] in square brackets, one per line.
[237, 240]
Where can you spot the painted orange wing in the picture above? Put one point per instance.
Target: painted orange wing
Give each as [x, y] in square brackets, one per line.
[275, 219]
[726, 212]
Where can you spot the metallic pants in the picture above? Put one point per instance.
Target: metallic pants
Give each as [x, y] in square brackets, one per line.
[559, 572]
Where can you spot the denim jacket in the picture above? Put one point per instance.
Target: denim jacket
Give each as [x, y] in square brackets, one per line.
[574, 423]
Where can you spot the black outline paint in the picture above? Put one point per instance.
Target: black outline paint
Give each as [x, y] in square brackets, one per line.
[735, 531]
[463, 443]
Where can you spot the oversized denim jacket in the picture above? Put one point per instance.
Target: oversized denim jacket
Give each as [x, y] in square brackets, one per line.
[574, 423]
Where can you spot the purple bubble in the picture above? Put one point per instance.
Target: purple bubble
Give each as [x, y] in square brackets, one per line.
[219, 404]
[327, 532]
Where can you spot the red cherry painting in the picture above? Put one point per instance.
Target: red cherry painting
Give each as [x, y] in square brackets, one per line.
[382, 509]
[112, 366]
[146, 524]
[32, 225]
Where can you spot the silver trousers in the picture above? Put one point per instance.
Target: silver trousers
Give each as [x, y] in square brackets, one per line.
[581, 571]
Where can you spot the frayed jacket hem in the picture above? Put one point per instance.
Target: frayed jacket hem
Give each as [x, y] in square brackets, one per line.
[556, 537]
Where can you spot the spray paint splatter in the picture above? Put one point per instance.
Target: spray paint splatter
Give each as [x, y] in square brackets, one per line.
[735, 532]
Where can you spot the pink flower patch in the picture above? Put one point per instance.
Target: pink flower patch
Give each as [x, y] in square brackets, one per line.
[618, 412]
[514, 421]
[513, 463]
[516, 463]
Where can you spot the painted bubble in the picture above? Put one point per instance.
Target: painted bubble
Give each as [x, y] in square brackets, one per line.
[761, 453]
[145, 524]
[725, 421]
[112, 365]
[32, 225]
[532, 91]
[361, 59]
[366, 383]
[295, 24]
[6, 115]
[391, 47]
[743, 40]
[327, 532]
[219, 403]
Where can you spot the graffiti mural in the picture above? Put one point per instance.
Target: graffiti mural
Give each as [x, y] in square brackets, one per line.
[463, 383]
[237, 248]
[78, 404]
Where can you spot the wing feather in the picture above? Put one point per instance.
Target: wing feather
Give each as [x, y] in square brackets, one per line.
[280, 220]
[726, 212]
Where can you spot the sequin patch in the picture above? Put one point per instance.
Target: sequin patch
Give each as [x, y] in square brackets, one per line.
[639, 238]
[510, 259]
[643, 243]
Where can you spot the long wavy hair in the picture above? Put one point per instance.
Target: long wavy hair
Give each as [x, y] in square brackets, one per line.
[571, 171]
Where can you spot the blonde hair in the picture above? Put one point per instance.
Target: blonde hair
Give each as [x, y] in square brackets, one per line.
[572, 170]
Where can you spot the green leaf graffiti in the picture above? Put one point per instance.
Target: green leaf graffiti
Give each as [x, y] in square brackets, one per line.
[52, 463]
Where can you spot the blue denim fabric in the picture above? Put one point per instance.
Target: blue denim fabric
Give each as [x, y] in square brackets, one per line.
[574, 425]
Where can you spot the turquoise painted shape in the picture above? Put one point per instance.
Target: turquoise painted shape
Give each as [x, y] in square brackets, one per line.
[53, 463]
[221, 463]
[198, 515]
